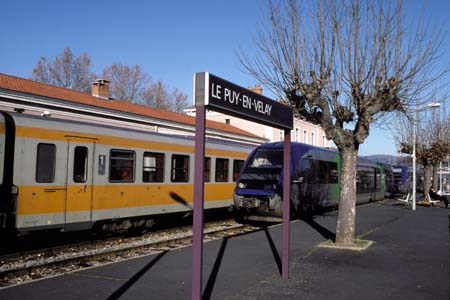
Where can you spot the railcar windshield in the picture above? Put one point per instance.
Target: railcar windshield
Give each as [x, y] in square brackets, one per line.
[267, 158]
[263, 170]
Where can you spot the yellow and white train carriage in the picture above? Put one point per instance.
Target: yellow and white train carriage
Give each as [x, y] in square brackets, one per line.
[71, 175]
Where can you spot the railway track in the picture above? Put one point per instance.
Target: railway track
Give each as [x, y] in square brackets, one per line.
[33, 265]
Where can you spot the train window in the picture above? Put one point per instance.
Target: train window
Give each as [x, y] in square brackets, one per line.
[327, 172]
[121, 165]
[80, 164]
[180, 168]
[331, 170]
[307, 171]
[334, 174]
[221, 170]
[377, 180]
[365, 179]
[237, 167]
[319, 171]
[207, 170]
[153, 167]
[45, 166]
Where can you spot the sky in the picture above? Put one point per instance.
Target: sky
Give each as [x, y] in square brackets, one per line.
[170, 40]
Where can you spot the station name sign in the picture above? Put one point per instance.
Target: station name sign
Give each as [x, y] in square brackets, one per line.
[221, 95]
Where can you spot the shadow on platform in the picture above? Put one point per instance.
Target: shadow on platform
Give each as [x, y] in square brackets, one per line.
[275, 253]
[215, 271]
[327, 234]
[207, 293]
[120, 291]
[209, 288]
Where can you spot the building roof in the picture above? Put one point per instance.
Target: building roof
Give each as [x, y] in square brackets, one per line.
[27, 86]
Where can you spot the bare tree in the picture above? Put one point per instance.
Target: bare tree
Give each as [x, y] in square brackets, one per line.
[66, 71]
[158, 95]
[127, 83]
[133, 85]
[344, 65]
[180, 100]
[432, 141]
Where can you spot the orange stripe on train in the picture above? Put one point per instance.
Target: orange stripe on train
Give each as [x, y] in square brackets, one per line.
[52, 199]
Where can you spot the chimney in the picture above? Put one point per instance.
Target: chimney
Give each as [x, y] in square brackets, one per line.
[256, 88]
[100, 89]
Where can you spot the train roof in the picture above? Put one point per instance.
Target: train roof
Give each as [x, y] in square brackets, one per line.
[77, 98]
[294, 145]
[406, 168]
[19, 117]
[299, 149]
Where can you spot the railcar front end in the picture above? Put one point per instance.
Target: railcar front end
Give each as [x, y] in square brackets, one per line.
[314, 182]
[258, 193]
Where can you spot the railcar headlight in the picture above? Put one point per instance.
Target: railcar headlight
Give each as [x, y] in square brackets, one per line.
[242, 185]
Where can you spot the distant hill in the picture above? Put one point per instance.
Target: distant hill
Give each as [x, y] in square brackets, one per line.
[390, 159]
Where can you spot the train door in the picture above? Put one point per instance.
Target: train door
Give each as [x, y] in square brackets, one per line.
[79, 183]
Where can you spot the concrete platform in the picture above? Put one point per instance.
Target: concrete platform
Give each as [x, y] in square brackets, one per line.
[408, 260]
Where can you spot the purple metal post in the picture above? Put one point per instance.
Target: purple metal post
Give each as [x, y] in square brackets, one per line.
[286, 203]
[197, 240]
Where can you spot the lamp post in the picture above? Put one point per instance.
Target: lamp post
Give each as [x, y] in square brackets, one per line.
[430, 105]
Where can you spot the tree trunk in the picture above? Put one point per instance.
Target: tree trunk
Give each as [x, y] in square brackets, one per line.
[345, 227]
[435, 177]
[428, 172]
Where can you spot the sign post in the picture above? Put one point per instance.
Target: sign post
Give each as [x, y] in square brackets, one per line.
[217, 94]
[197, 240]
[286, 203]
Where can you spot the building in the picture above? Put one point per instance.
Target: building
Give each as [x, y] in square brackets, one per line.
[27, 96]
[303, 131]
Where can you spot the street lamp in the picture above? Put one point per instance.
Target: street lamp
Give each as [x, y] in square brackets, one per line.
[430, 105]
